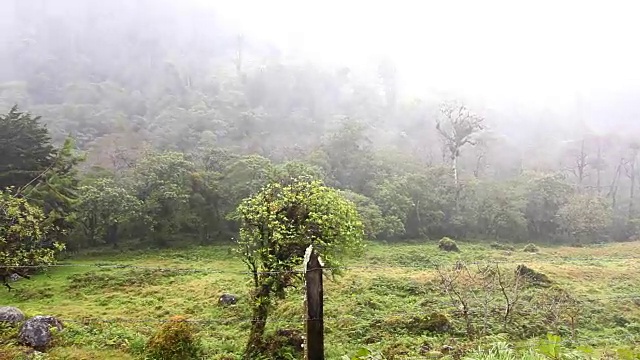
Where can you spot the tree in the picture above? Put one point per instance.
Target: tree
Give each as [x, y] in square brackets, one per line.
[277, 225]
[458, 127]
[375, 224]
[103, 207]
[546, 194]
[24, 238]
[25, 148]
[56, 190]
[585, 218]
[161, 182]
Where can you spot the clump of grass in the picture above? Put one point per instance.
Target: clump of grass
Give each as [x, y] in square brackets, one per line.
[176, 340]
[500, 246]
[284, 344]
[447, 244]
[108, 279]
[531, 248]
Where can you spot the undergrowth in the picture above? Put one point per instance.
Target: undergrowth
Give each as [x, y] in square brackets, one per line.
[392, 301]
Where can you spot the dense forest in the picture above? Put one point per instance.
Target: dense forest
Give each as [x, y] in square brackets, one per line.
[157, 127]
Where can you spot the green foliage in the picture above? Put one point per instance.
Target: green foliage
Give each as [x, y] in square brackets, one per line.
[102, 208]
[447, 244]
[500, 246]
[375, 224]
[161, 182]
[24, 237]
[25, 148]
[176, 340]
[546, 195]
[364, 354]
[531, 248]
[585, 218]
[56, 191]
[277, 226]
[281, 221]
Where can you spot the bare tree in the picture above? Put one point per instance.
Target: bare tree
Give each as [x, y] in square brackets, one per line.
[458, 126]
[511, 288]
[631, 171]
[456, 283]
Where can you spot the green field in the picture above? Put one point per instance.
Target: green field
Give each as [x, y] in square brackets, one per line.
[385, 302]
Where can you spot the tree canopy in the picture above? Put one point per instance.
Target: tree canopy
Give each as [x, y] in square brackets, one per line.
[277, 225]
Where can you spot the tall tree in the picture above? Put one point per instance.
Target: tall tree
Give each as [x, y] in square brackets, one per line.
[458, 126]
[25, 148]
[56, 190]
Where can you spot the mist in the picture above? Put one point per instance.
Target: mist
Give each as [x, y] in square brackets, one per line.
[470, 169]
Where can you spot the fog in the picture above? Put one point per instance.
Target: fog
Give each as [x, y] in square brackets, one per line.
[542, 53]
[543, 71]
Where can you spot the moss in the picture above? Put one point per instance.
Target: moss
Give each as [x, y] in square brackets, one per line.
[531, 248]
[435, 323]
[174, 341]
[447, 244]
[535, 277]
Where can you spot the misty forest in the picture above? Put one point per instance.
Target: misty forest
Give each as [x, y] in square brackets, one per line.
[162, 174]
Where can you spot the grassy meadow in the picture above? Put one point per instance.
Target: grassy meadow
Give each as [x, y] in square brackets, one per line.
[390, 300]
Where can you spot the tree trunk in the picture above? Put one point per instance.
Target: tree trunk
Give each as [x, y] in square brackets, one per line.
[255, 345]
[599, 170]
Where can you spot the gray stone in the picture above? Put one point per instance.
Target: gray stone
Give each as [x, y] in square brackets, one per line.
[14, 277]
[228, 299]
[11, 314]
[36, 332]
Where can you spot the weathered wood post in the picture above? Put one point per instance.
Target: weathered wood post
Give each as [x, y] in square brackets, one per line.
[314, 324]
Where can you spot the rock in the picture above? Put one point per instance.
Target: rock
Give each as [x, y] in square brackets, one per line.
[228, 299]
[447, 349]
[14, 277]
[36, 332]
[536, 278]
[11, 314]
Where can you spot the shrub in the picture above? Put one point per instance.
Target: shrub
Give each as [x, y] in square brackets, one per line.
[174, 341]
[531, 248]
[447, 244]
[283, 344]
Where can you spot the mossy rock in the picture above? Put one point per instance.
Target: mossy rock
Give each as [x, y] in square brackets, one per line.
[175, 340]
[535, 277]
[435, 323]
[447, 244]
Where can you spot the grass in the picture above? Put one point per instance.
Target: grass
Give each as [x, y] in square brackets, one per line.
[378, 303]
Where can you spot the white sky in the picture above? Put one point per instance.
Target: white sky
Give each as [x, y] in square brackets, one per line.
[541, 51]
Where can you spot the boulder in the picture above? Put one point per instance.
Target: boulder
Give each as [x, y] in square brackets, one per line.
[228, 299]
[36, 332]
[11, 314]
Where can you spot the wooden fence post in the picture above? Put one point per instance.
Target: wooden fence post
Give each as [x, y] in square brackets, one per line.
[314, 323]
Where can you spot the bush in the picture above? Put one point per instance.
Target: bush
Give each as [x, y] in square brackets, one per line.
[531, 248]
[499, 246]
[447, 244]
[284, 344]
[174, 341]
